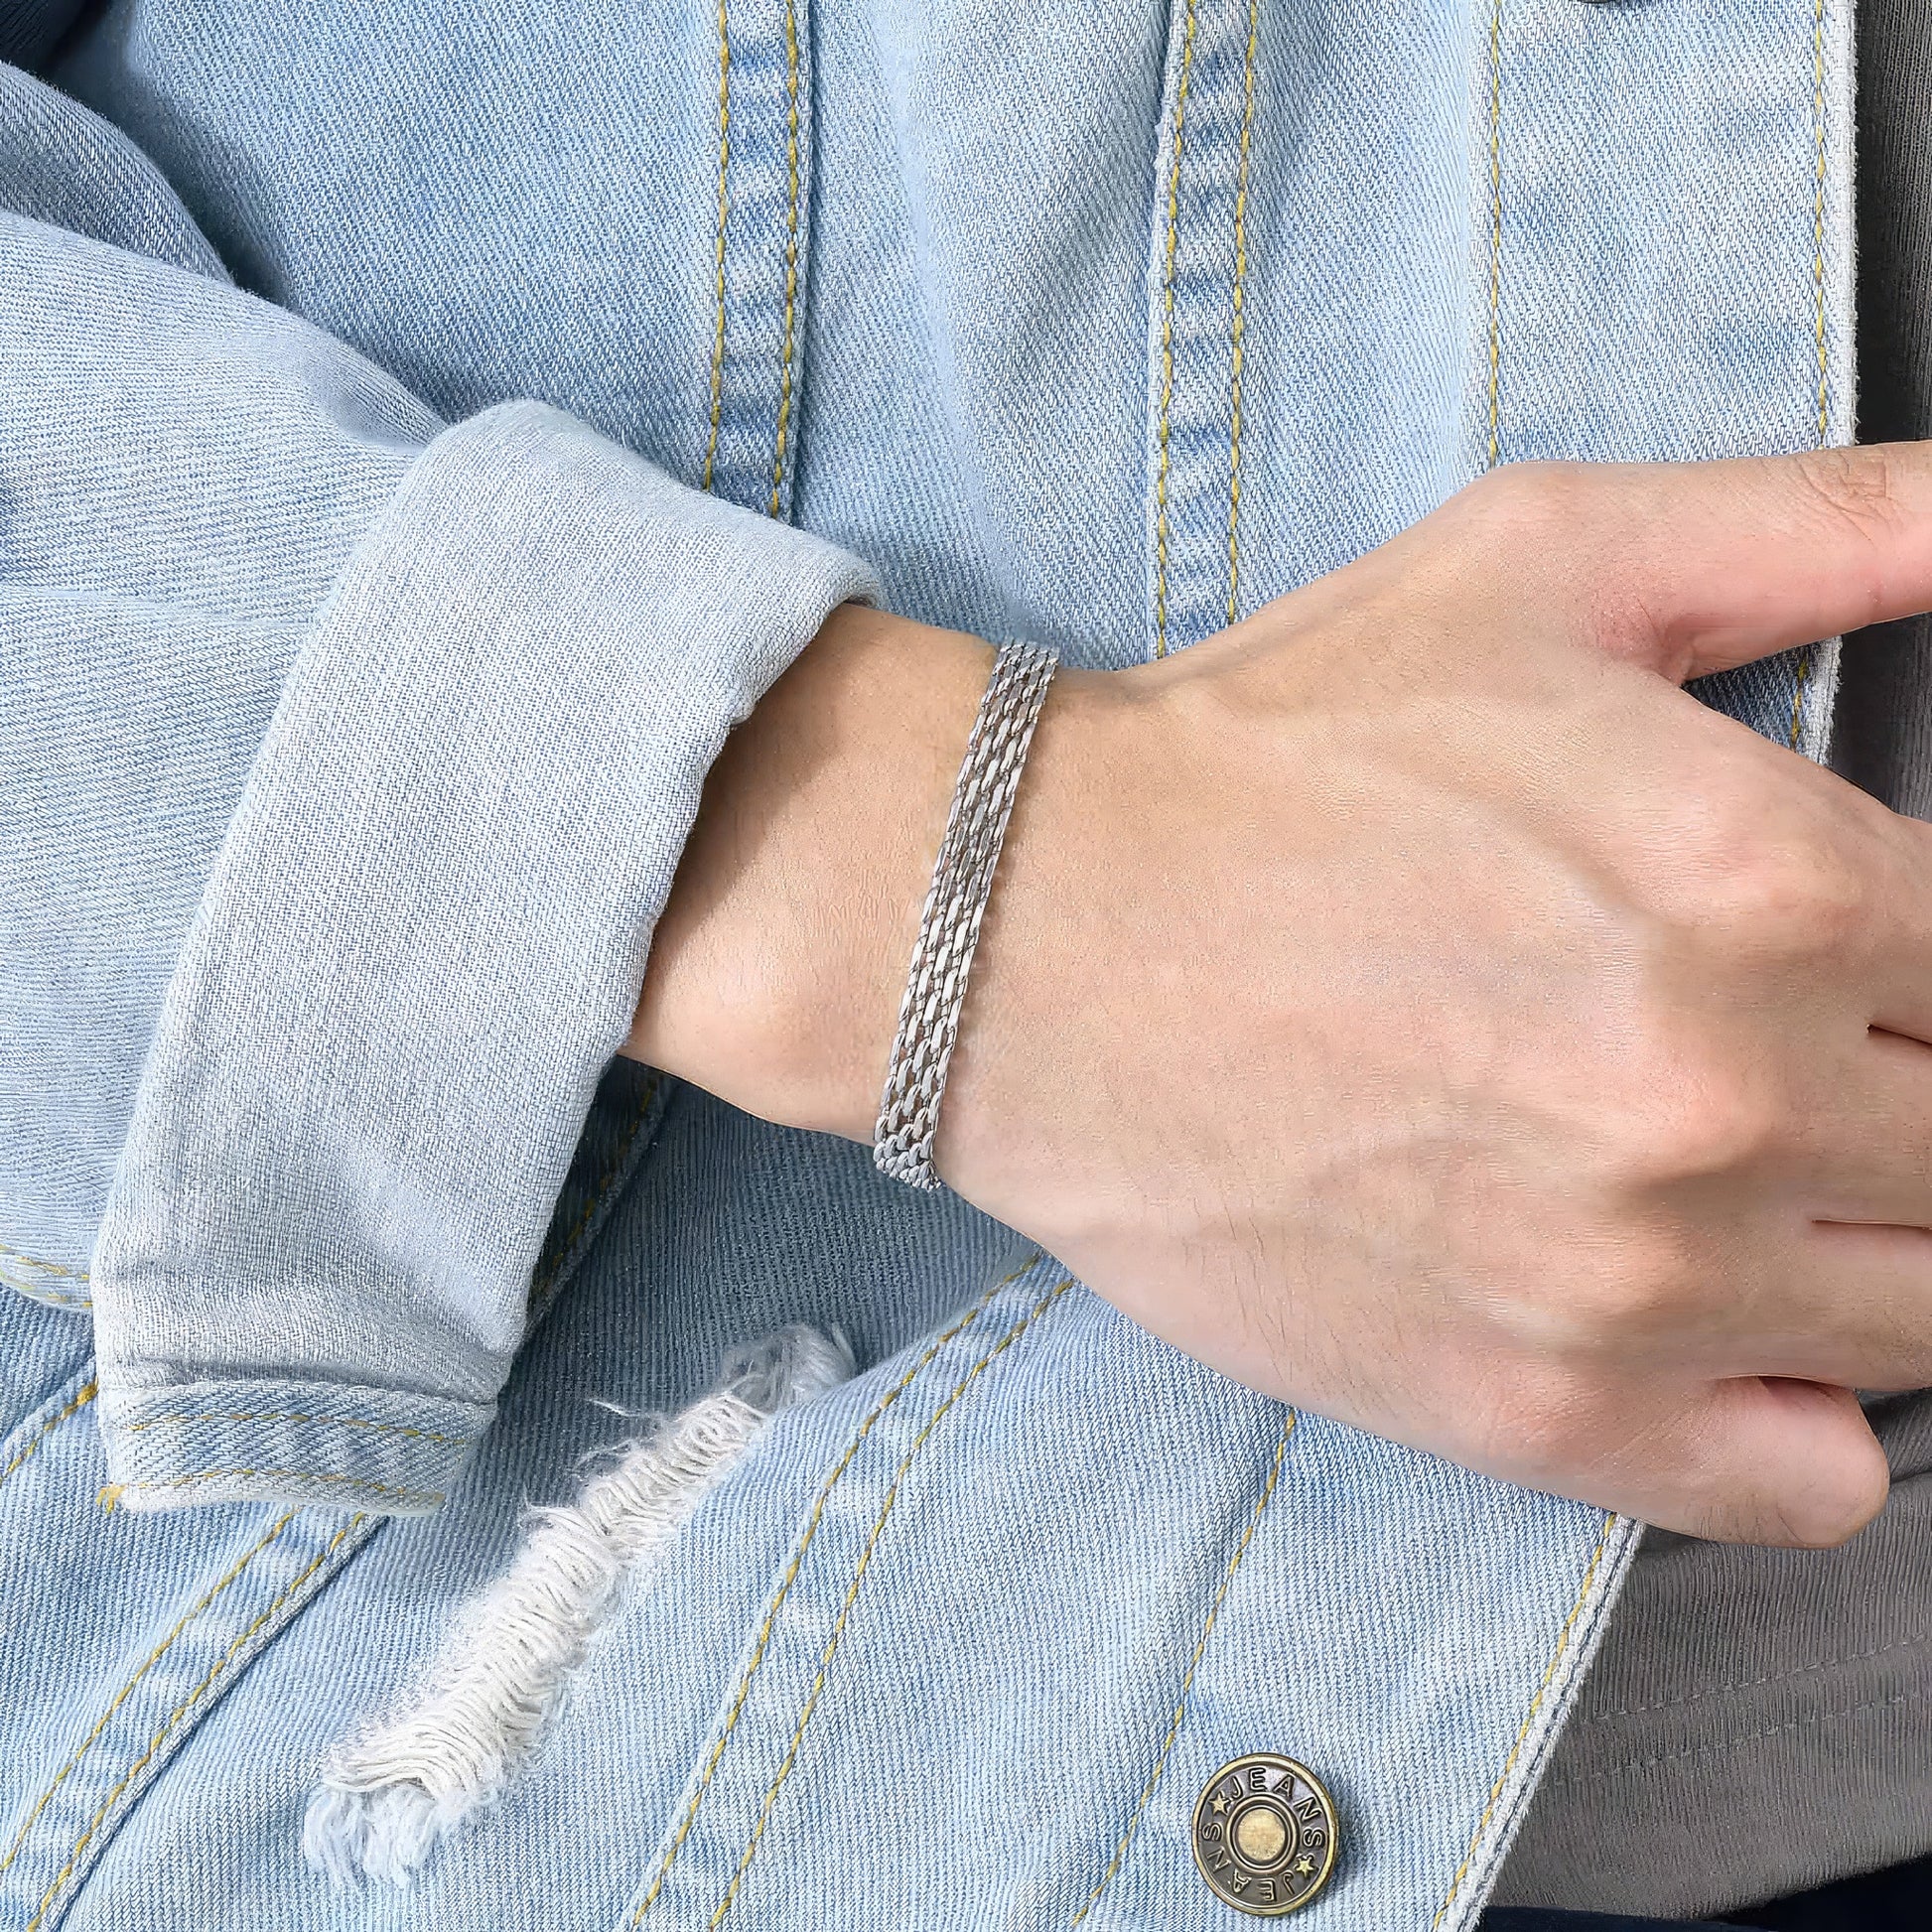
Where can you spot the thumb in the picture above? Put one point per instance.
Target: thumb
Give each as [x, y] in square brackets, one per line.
[1765, 1460]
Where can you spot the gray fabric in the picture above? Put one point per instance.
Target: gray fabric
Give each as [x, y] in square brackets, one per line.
[1756, 1722]
[31, 29]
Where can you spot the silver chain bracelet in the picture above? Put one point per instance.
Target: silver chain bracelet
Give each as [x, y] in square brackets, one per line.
[955, 904]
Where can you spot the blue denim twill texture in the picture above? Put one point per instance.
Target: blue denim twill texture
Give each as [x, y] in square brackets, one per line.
[424, 431]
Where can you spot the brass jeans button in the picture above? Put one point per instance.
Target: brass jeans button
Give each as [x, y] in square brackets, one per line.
[1265, 1834]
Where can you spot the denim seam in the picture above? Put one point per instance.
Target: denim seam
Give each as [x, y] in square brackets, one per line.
[880, 1521]
[180, 1711]
[1801, 678]
[785, 353]
[282, 1415]
[47, 1267]
[1495, 230]
[1528, 1719]
[1818, 214]
[812, 1521]
[181, 1442]
[127, 1690]
[1167, 335]
[1193, 1664]
[1237, 329]
[760, 250]
[1803, 675]
[82, 1396]
[724, 210]
[53, 1298]
[498, 1675]
[37, 1290]
[112, 1492]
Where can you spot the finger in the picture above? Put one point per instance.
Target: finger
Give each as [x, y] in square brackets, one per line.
[1870, 1150]
[1749, 1460]
[1698, 567]
[1861, 1297]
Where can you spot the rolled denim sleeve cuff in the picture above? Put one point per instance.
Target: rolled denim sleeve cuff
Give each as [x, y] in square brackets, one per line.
[421, 944]
[390, 1451]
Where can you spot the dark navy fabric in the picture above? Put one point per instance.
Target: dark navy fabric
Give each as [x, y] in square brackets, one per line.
[31, 29]
[1896, 1899]
[1533, 1918]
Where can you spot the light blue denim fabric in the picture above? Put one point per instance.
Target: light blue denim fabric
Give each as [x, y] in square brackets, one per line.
[427, 430]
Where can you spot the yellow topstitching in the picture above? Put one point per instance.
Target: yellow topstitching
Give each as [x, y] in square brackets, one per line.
[812, 1521]
[1193, 1664]
[1529, 1718]
[1005, 1342]
[1166, 336]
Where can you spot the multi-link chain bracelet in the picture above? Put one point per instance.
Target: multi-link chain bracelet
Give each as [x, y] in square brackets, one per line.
[949, 929]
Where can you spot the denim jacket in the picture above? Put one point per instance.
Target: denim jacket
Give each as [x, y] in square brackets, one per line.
[427, 429]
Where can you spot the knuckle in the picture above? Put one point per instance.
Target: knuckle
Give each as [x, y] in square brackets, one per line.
[1641, 1292]
[1856, 490]
[1764, 869]
[1699, 1127]
[1541, 497]
[1792, 901]
[1628, 1284]
[1682, 1099]
[1536, 531]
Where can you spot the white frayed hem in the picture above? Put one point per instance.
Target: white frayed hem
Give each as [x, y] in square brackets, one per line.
[388, 1799]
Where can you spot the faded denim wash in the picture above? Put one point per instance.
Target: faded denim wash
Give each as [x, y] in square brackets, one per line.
[426, 431]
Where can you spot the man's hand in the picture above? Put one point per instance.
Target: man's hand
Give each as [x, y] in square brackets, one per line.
[1410, 1001]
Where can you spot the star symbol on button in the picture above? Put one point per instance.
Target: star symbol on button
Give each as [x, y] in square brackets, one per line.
[1263, 1830]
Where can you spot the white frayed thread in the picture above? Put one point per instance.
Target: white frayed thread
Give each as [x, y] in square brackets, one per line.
[385, 1800]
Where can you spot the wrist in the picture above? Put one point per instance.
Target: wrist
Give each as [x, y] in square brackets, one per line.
[776, 968]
